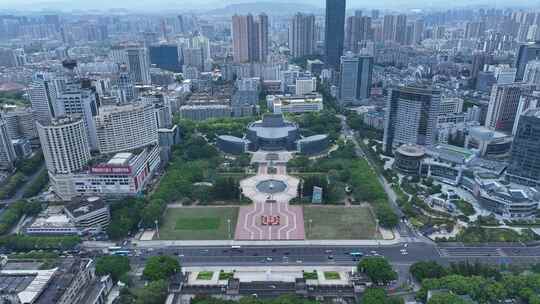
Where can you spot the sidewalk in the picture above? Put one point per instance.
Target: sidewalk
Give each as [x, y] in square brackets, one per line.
[158, 243]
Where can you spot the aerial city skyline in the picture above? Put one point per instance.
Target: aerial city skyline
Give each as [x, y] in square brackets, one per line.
[215, 152]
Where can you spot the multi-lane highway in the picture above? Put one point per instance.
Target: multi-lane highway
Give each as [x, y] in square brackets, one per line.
[338, 255]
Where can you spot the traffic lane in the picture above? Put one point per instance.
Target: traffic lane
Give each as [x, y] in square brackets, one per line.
[325, 255]
[293, 251]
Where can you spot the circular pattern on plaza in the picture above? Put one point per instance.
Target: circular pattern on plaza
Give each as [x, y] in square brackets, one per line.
[271, 186]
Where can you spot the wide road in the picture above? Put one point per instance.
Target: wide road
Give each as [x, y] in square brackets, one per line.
[338, 255]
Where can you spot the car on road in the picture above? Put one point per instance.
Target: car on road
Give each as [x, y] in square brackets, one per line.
[269, 259]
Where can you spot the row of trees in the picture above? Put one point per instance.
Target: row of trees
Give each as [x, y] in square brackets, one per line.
[41, 181]
[15, 211]
[28, 243]
[11, 185]
[483, 283]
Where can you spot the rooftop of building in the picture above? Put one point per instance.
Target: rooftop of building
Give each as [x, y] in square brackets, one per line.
[64, 276]
[411, 150]
[27, 284]
[82, 206]
[451, 153]
[272, 126]
[532, 113]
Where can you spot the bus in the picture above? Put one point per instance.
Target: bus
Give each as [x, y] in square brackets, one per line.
[356, 254]
[121, 253]
[114, 248]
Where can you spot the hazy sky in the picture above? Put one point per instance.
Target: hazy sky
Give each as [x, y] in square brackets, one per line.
[164, 5]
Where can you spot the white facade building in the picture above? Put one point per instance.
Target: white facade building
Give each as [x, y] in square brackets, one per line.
[7, 152]
[306, 85]
[126, 127]
[65, 145]
[295, 104]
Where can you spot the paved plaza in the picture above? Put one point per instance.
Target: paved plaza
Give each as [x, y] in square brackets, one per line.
[270, 217]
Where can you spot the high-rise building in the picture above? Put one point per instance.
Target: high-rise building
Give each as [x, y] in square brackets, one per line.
[388, 28]
[20, 124]
[302, 35]
[334, 32]
[479, 61]
[399, 30]
[526, 53]
[527, 101]
[42, 95]
[358, 28]
[262, 43]
[505, 75]
[411, 117]
[139, 65]
[503, 106]
[418, 31]
[193, 57]
[127, 127]
[474, 30]
[524, 165]
[250, 38]
[126, 89]
[64, 142]
[165, 56]
[355, 78]
[75, 100]
[532, 73]
[7, 152]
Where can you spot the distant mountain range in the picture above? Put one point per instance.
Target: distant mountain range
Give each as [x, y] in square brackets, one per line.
[274, 7]
[270, 8]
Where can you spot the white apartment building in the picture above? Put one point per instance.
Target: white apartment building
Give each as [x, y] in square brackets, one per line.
[7, 152]
[450, 106]
[306, 85]
[65, 145]
[126, 127]
[295, 104]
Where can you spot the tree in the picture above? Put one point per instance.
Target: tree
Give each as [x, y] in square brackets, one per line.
[153, 293]
[427, 270]
[160, 267]
[386, 216]
[116, 266]
[378, 270]
[378, 296]
[447, 298]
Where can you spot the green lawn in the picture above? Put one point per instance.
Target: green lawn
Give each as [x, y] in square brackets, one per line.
[337, 222]
[310, 275]
[331, 275]
[205, 275]
[198, 223]
[225, 275]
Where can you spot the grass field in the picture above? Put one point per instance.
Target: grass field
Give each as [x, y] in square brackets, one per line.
[336, 222]
[198, 223]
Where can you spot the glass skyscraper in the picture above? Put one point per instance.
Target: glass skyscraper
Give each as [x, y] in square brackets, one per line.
[335, 32]
[524, 166]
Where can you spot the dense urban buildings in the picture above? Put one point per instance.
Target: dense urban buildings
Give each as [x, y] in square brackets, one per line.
[133, 137]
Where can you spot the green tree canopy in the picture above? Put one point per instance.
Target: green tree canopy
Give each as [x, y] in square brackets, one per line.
[377, 269]
[160, 267]
[116, 266]
[427, 270]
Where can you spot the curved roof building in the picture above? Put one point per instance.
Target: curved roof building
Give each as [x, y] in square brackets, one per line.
[273, 133]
